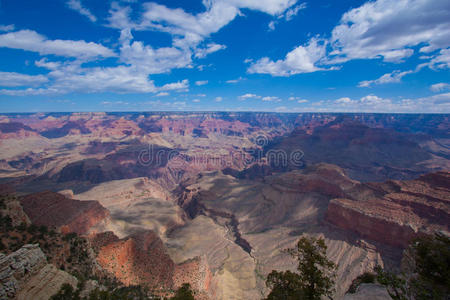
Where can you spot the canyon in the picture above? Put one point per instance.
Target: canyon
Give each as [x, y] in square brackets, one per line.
[212, 199]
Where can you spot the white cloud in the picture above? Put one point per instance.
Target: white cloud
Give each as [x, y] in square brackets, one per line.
[162, 94]
[72, 77]
[249, 96]
[77, 6]
[288, 15]
[298, 99]
[441, 61]
[201, 82]
[26, 92]
[234, 80]
[218, 99]
[189, 30]
[210, 48]
[271, 99]
[6, 28]
[344, 100]
[150, 60]
[32, 41]
[371, 103]
[386, 28]
[393, 77]
[439, 87]
[378, 29]
[196, 100]
[293, 11]
[303, 59]
[12, 79]
[180, 85]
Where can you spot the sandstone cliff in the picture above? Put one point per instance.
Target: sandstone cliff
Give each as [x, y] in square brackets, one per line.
[401, 211]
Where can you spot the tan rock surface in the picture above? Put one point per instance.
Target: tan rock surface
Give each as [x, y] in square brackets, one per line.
[47, 282]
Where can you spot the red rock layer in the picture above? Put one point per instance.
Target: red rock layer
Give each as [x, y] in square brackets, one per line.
[404, 210]
[53, 209]
[139, 259]
[142, 259]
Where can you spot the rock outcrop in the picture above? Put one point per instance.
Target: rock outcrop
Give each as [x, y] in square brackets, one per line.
[47, 282]
[18, 267]
[54, 210]
[25, 274]
[142, 259]
[139, 259]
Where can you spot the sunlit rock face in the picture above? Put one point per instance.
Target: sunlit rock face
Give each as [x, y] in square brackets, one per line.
[403, 210]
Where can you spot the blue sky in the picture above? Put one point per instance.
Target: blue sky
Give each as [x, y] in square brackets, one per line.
[221, 55]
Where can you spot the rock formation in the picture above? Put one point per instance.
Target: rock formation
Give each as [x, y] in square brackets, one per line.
[401, 211]
[25, 274]
[54, 210]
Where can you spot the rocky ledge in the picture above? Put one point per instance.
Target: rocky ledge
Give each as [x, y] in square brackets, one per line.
[398, 210]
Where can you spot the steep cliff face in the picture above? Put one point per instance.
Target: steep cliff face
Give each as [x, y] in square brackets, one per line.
[52, 209]
[404, 210]
[142, 259]
[25, 274]
[138, 259]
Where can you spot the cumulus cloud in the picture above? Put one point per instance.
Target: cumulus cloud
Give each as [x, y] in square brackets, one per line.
[12, 79]
[442, 60]
[392, 77]
[249, 96]
[32, 41]
[303, 59]
[189, 30]
[377, 29]
[386, 28]
[162, 94]
[218, 99]
[72, 77]
[78, 6]
[153, 61]
[439, 87]
[180, 85]
[210, 48]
